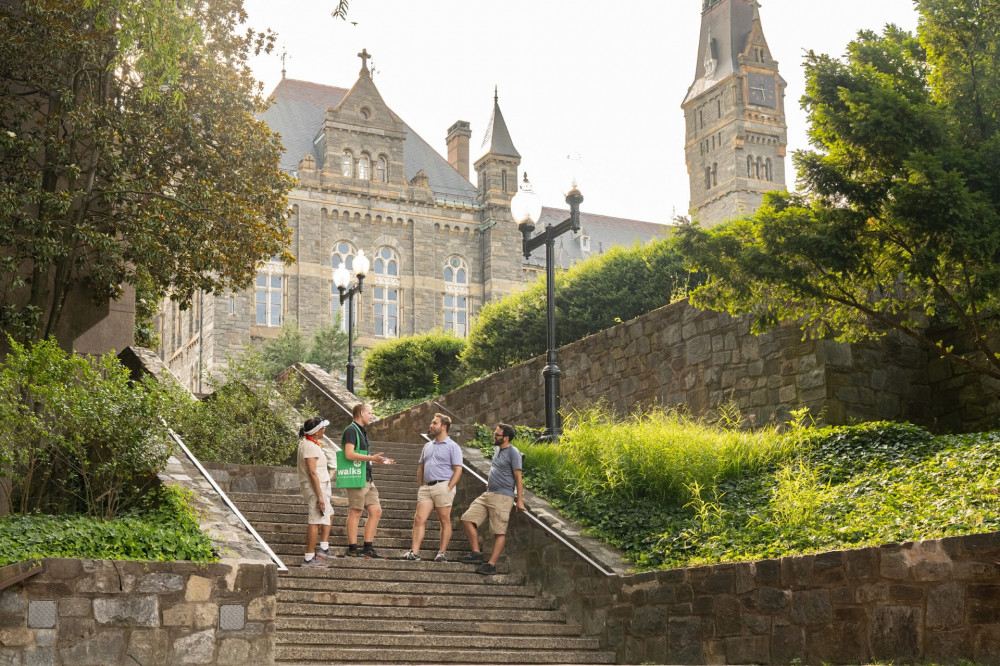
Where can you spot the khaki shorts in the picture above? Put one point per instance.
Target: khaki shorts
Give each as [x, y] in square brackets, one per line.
[438, 493]
[314, 516]
[494, 505]
[359, 498]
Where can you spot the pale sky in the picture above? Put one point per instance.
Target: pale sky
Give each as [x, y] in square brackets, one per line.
[600, 79]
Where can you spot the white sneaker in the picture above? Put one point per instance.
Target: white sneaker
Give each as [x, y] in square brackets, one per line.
[440, 557]
[411, 556]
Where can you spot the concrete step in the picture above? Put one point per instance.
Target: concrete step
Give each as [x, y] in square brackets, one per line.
[420, 571]
[293, 609]
[297, 524]
[278, 534]
[401, 599]
[406, 587]
[359, 567]
[326, 655]
[291, 553]
[363, 636]
[428, 626]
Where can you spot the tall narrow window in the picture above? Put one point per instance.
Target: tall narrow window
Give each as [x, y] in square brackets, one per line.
[456, 296]
[715, 174]
[231, 307]
[364, 166]
[718, 102]
[503, 180]
[749, 166]
[767, 170]
[343, 255]
[708, 178]
[347, 164]
[386, 311]
[268, 299]
[382, 169]
[759, 168]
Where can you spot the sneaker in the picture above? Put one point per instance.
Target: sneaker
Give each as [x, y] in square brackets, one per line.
[324, 552]
[314, 564]
[371, 554]
[486, 568]
[411, 556]
[440, 557]
[351, 553]
[471, 558]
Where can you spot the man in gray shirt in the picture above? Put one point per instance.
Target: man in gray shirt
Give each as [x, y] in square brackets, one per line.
[496, 503]
[438, 471]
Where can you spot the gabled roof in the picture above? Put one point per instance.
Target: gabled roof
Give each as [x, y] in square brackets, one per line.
[497, 135]
[602, 231]
[297, 114]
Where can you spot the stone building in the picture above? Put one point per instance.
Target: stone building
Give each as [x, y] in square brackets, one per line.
[440, 246]
[734, 113]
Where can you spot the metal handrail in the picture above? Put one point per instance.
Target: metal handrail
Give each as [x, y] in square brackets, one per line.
[538, 521]
[225, 498]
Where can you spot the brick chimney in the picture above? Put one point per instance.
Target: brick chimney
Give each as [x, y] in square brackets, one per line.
[458, 147]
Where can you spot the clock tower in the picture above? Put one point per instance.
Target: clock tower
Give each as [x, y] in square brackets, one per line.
[734, 113]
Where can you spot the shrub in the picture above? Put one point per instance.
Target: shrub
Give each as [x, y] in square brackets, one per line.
[77, 435]
[621, 284]
[163, 527]
[328, 349]
[248, 418]
[414, 366]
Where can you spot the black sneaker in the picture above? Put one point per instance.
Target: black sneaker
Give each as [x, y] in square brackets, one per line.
[486, 568]
[471, 558]
[371, 554]
[352, 553]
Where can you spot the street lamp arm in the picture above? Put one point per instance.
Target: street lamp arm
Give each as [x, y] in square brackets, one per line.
[345, 294]
[571, 223]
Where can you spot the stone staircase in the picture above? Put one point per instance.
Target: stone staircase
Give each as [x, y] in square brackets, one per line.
[395, 611]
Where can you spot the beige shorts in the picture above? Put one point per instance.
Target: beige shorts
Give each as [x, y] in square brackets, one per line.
[493, 505]
[359, 498]
[314, 516]
[438, 493]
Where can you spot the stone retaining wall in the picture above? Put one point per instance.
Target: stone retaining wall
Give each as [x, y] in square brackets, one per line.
[97, 612]
[680, 355]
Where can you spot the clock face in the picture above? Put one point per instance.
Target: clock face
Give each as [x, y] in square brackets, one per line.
[761, 90]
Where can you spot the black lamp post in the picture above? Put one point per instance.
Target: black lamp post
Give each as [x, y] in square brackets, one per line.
[341, 278]
[526, 209]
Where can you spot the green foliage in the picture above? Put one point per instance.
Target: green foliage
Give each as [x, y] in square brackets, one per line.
[899, 222]
[414, 366]
[328, 349]
[130, 153]
[247, 419]
[384, 408]
[621, 284]
[77, 435]
[706, 493]
[163, 528]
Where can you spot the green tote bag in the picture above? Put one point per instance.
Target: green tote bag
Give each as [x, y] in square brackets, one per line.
[350, 473]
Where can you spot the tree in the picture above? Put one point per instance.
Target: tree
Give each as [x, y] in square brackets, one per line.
[414, 366]
[328, 349]
[621, 284]
[898, 224]
[130, 153]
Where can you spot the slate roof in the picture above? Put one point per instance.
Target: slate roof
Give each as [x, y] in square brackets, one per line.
[497, 135]
[603, 232]
[297, 116]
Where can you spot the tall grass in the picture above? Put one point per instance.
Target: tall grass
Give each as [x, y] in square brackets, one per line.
[654, 455]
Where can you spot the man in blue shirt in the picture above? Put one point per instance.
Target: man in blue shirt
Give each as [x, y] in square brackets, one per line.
[438, 471]
[495, 504]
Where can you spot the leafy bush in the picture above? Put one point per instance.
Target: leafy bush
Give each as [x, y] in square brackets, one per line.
[621, 284]
[414, 366]
[328, 349]
[247, 419]
[77, 435]
[673, 492]
[163, 528]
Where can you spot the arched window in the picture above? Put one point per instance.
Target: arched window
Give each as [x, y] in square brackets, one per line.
[767, 170]
[347, 164]
[708, 178]
[382, 169]
[456, 297]
[749, 166]
[759, 168]
[343, 255]
[386, 262]
[364, 167]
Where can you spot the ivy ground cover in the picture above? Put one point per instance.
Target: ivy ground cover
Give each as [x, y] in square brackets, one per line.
[673, 492]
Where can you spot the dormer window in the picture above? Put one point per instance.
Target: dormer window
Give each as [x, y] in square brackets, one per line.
[585, 243]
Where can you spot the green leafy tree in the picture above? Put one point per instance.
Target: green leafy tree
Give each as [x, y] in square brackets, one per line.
[414, 366]
[621, 284]
[328, 349]
[130, 153]
[898, 226]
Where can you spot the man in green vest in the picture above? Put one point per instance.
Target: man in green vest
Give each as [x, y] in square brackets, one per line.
[356, 447]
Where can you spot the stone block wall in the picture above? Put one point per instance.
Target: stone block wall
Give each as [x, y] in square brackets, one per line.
[680, 355]
[97, 612]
